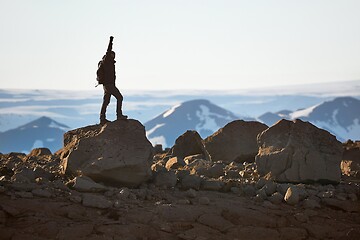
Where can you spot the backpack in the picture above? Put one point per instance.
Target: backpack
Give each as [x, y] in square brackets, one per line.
[100, 73]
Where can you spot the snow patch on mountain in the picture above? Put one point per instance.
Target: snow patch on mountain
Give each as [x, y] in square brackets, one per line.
[169, 112]
[154, 129]
[302, 113]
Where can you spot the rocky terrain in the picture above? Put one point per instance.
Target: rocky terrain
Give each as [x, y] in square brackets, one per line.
[246, 181]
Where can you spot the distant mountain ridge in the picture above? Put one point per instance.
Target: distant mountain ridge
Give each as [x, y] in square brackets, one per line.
[340, 116]
[200, 115]
[42, 132]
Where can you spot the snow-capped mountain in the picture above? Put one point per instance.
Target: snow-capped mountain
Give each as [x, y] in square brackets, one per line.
[340, 116]
[200, 115]
[42, 132]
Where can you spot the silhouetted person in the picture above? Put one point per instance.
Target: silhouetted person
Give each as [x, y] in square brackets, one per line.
[106, 76]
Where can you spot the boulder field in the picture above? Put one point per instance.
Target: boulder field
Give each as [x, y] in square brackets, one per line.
[107, 184]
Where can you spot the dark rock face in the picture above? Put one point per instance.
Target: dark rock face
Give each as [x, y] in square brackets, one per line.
[117, 153]
[297, 151]
[190, 143]
[235, 142]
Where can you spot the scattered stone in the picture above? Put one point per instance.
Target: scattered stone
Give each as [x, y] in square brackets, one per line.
[190, 181]
[292, 233]
[249, 190]
[183, 201]
[215, 221]
[204, 201]
[41, 193]
[276, 198]
[75, 198]
[96, 201]
[301, 217]
[191, 193]
[311, 204]
[353, 197]
[235, 190]
[270, 188]
[327, 194]
[123, 194]
[24, 194]
[253, 233]
[189, 159]
[166, 179]
[233, 174]
[292, 196]
[215, 171]
[346, 206]
[212, 185]
[174, 163]
[86, 184]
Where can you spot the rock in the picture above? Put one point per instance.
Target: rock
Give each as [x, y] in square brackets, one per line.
[191, 158]
[91, 152]
[253, 233]
[75, 198]
[297, 151]
[214, 171]
[24, 194]
[249, 190]
[236, 141]
[211, 185]
[174, 163]
[188, 144]
[36, 152]
[26, 187]
[311, 204]
[292, 233]
[75, 232]
[350, 164]
[292, 196]
[96, 201]
[191, 193]
[123, 194]
[25, 175]
[204, 201]
[270, 188]
[276, 198]
[215, 221]
[232, 174]
[165, 179]
[180, 174]
[86, 184]
[346, 206]
[190, 181]
[41, 193]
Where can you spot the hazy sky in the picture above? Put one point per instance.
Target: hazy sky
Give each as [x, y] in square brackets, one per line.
[179, 44]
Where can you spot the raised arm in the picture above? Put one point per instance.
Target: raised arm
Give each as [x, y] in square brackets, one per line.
[109, 49]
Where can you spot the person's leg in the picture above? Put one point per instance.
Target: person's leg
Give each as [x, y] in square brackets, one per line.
[116, 93]
[106, 101]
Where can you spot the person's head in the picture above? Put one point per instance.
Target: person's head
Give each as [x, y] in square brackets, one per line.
[112, 54]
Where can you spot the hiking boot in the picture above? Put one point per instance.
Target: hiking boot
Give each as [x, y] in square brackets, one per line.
[103, 121]
[122, 117]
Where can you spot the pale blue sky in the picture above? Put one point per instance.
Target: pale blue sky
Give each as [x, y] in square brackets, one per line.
[179, 44]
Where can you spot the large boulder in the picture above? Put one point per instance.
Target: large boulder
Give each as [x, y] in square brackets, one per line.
[190, 143]
[297, 151]
[117, 153]
[236, 141]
